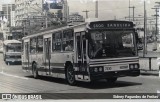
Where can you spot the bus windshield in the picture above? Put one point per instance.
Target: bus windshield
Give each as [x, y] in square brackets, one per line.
[14, 47]
[111, 44]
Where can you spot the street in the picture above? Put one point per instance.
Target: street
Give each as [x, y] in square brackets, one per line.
[14, 80]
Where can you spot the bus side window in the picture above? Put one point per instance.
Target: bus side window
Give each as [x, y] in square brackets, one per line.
[33, 45]
[56, 41]
[67, 40]
[40, 44]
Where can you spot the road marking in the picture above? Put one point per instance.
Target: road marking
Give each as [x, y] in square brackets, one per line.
[3, 73]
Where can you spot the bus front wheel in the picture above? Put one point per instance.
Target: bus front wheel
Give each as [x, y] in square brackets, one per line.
[35, 71]
[7, 63]
[70, 75]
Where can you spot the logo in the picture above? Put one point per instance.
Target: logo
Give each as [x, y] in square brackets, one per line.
[123, 67]
[6, 96]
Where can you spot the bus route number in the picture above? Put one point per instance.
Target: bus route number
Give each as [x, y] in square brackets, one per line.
[98, 25]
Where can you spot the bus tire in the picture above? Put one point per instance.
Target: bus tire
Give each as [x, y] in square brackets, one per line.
[70, 75]
[35, 71]
[4, 57]
[111, 80]
[7, 63]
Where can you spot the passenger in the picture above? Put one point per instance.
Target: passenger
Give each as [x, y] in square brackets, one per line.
[69, 47]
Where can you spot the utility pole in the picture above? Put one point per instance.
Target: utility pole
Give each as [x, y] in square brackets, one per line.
[96, 9]
[133, 11]
[44, 10]
[86, 11]
[144, 40]
[129, 10]
[156, 15]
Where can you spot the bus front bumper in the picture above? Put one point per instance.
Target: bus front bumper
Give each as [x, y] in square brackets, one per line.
[104, 75]
[13, 60]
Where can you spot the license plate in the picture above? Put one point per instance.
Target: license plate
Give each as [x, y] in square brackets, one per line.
[116, 68]
[108, 68]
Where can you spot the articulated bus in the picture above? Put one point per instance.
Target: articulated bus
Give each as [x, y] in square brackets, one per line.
[12, 51]
[86, 52]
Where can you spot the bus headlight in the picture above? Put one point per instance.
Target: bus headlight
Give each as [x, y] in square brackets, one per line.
[95, 69]
[136, 66]
[100, 69]
[131, 66]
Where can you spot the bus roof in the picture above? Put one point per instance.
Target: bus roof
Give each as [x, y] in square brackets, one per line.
[10, 41]
[52, 29]
[88, 24]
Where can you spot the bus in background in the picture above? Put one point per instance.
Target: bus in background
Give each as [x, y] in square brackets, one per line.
[12, 51]
[85, 52]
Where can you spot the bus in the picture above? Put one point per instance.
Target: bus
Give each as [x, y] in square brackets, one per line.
[12, 51]
[86, 52]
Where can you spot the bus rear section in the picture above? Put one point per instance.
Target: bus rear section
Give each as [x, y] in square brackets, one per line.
[12, 51]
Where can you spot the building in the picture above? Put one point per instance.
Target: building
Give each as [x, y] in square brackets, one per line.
[1, 15]
[25, 9]
[4, 27]
[5, 30]
[65, 11]
[13, 19]
[75, 17]
[7, 9]
[40, 11]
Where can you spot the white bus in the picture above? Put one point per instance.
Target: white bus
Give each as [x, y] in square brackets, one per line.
[12, 51]
[85, 52]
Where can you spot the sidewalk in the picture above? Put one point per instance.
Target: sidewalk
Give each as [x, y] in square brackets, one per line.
[149, 72]
[144, 61]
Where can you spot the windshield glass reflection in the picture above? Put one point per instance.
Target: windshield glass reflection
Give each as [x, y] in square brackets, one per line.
[110, 44]
[14, 48]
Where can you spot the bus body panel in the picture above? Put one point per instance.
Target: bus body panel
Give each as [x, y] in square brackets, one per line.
[53, 63]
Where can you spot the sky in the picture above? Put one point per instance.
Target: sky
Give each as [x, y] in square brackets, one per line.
[6, 1]
[108, 9]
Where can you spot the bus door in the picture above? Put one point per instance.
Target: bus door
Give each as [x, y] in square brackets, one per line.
[81, 53]
[27, 64]
[47, 52]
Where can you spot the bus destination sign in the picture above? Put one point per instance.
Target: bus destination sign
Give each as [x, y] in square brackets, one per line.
[110, 24]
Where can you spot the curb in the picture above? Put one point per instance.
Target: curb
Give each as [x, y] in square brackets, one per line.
[153, 73]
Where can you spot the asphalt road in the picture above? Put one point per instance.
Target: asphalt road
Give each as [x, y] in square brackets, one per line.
[14, 80]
